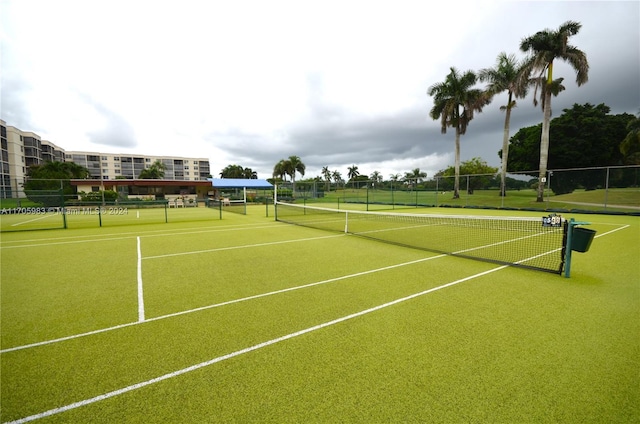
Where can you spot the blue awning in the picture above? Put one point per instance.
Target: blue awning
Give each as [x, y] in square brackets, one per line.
[239, 183]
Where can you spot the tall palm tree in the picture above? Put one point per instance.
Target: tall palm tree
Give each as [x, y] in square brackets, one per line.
[454, 103]
[506, 76]
[376, 177]
[352, 174]
[280, 170]
[415, 175]
[294, 164]
[544, 47]
[327, 177]
[337, 177]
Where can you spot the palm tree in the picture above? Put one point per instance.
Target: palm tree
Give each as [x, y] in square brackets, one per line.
[233, 171]
[352, 174]
[506, 76]
[455, 101]
[154, 172]
[337, 177]
[416, 175]
[543, 48]
[294, 164]
[250, 174]
[280, 170]
[327, 177]
[376, 177]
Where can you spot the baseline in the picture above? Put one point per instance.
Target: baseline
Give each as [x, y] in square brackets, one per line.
[249, 349]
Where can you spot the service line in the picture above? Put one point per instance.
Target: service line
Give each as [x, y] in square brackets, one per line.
[182, 371]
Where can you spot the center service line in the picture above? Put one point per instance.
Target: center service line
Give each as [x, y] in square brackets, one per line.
[140, 292]
[241, 351]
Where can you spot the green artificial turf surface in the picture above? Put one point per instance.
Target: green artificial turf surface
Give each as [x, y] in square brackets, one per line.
[316, 326]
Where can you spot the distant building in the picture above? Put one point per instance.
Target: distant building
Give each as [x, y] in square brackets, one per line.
[21, 149]
[110, 166]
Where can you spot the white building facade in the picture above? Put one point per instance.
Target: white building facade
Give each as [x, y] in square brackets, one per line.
[21, 149]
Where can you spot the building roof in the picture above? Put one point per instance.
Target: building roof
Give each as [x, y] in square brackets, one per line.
[142, 182]
[239, 183]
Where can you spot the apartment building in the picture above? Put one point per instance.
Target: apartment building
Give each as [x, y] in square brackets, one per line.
[21, 149]
[109, 166]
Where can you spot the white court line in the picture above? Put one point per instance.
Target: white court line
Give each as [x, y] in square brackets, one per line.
[177, 373]
[96, 238]
[31, 220]
[182, 371]
[217, 305]
[218, 249]
[140, 292]
[202, 308]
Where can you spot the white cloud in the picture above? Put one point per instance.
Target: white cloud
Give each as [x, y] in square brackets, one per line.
[249, 82]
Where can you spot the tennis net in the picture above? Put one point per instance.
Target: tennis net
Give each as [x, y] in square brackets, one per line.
[536, 243]
[230, 205]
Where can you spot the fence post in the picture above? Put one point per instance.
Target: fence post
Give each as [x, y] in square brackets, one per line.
[606, 189]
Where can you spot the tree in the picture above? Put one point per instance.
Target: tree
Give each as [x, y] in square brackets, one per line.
[630, 146]
[289, 167]
[293, 165]
[479, 174]
[352, 173]
[154, 172]
[584, 136]
[326, 173]
[48, 181]
[237, 172]
[506, 76]
[280, 170]
[415, 175]
[376, 177]
[544, 47]
[455, 102]
[337, 176]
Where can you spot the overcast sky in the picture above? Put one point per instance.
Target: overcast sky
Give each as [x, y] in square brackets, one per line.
[337, 83]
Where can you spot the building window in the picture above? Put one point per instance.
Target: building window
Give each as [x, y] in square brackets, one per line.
[147, 160]
[104, 158]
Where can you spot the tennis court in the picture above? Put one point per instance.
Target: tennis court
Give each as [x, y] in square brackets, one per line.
[249, 319]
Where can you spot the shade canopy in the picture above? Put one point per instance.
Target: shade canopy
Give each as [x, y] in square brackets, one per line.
[239, 183]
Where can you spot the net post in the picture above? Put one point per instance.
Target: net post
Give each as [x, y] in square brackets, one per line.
[346, 222]
[567, 264]
[166, 213]
[244, 197]
[569, 248]
[64, 214]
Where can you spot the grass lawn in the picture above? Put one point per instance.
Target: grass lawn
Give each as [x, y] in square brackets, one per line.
[612, 200]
